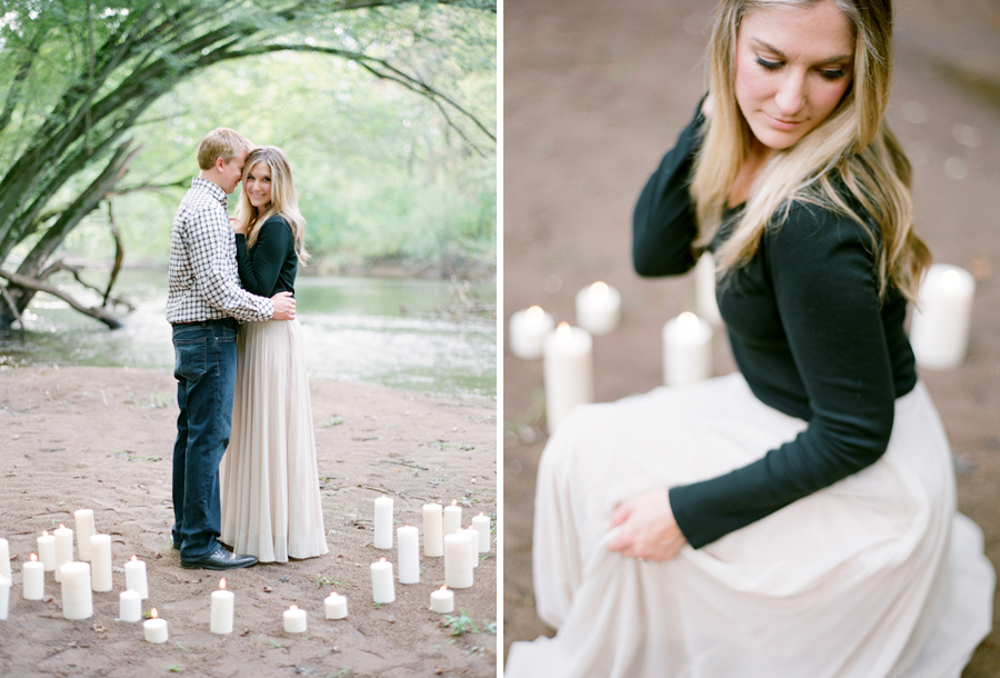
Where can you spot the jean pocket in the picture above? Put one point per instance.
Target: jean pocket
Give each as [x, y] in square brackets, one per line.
[190, 357]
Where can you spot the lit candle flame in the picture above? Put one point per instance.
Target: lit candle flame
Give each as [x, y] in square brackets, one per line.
[534, 312]
[564, 332]
[134, 558]
[45, 533]
[382, 559]
[443, 588]
[599, 289]
[293, 607]
[454, 502]
[222, 584]
[153, 614]
[61, 526]
[688, 319]
[33, 557]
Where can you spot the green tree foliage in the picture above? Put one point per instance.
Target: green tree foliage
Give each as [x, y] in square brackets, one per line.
[97, 90]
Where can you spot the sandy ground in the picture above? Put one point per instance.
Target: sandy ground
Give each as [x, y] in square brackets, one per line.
[101, 438]
[596, 91]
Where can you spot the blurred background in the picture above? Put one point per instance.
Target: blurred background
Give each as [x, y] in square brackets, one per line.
[596, 91]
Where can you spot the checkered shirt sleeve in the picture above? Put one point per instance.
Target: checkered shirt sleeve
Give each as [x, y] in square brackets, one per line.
[203, 281]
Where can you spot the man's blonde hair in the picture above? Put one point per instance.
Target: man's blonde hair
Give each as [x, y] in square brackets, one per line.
[222, 143]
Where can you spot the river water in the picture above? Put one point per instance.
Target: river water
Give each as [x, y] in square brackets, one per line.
[412, 334]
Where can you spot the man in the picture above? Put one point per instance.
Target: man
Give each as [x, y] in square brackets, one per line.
[204, 302]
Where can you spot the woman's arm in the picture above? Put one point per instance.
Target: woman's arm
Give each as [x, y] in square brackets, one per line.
[259, 271]
[663, 222]
[824, 285]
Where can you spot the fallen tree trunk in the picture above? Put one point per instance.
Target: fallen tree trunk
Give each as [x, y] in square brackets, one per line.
[32, 284]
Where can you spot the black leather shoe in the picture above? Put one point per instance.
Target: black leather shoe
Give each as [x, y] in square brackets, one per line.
[220, 559]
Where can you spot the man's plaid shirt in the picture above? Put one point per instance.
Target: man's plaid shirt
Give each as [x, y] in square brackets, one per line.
[204, 283]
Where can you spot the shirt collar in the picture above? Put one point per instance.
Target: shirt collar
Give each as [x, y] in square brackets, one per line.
[212, 188]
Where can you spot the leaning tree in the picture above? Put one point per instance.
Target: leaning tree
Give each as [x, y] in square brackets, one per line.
[76, 75]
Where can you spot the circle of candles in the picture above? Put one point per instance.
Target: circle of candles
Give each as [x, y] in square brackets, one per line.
[100, 562]
[939, 329]
[295, 620]
[155, 629]
[383, 588]
[222, 609]
[705, 301]
[84, 531]
[443, 600]
[129, 606]
[383, 523]
[33, 579]
[135, 576]
[569, 372]
[527, 332]
[598, 308]
[457, 566]
[433, 530]
[452, 518]
[687, 350]
[335, 606]
[481, 523]
[4, 597]
[408, 541]
[47, 551]
[4, 559]
[77, 600]
[64, 547]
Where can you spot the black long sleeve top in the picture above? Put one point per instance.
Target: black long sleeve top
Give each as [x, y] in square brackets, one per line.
[809, 334]
[272, 264]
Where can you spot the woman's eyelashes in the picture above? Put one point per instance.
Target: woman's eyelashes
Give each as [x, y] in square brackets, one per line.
[827, 73]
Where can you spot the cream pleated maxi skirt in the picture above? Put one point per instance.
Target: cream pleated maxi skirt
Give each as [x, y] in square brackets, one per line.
[876, 576]
[269, 482]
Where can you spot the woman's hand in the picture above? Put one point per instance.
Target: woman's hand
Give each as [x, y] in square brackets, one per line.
[648, 529]
[237, 225]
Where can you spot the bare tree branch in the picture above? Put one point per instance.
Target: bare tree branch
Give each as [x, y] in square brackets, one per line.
[32, 284]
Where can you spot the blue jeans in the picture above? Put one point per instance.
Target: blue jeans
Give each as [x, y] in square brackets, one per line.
[205, 368]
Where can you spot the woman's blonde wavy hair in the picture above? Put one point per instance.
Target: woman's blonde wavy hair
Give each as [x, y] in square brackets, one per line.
[853, 144]
[284, 201]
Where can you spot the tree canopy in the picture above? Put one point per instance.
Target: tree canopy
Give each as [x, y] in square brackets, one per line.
[84, 83]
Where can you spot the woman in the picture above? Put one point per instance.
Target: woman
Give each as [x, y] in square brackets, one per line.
[270, 486]
[797, 518]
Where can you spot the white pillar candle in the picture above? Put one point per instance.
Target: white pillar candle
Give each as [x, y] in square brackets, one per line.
[452, 518]
[129, 606]
[939, 330]
[687, 350]
[433, 526]
[4, 597]
[705, 301]
[4, 559]
[33, 579]
[295, 620]
[84, 531]
[408, 542]
[443, 600]
[47, 551]
[569, 372]
[100, 561]
[528, 330]
[64, 547]
[482, 525]
[77, 600]
[457, 568]
[383, 588]
[383, 523]
[473, 546]
[135, 576]
[155, 629]
[598, 308]
[335, 606]
[223, 602]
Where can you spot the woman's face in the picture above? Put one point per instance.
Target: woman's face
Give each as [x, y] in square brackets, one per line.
[258, 185]
[793, 66]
